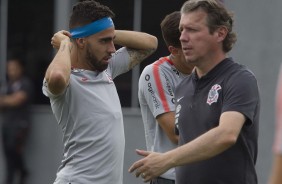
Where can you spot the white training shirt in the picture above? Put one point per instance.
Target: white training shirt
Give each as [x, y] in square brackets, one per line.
[157, 84]
[90, 115]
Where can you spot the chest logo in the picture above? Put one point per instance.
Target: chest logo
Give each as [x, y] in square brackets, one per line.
[213, 94]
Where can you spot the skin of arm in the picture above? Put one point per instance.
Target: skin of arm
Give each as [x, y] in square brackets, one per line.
[276, 177]
[13, 100]
[58, 72]
[206, 146]
[140, 45]
[167, 123]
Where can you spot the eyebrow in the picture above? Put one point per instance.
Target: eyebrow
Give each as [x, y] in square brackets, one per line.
[107, 38]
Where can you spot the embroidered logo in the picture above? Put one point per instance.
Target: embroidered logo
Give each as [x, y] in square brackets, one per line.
[213, 94]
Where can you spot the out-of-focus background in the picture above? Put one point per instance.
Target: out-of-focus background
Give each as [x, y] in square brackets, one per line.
[26, 28]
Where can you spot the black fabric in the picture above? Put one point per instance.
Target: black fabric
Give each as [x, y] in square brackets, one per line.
[15, 130]
[160, 180]
[227, 87]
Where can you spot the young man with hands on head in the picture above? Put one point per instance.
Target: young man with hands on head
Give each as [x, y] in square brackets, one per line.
[83, 96]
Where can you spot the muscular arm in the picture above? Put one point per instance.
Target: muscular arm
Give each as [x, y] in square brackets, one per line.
[58, 72]
[212, 143]
[167, 123]
[140, 45]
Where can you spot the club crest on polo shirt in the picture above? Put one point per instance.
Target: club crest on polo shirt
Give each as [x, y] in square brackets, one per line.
[213, 94]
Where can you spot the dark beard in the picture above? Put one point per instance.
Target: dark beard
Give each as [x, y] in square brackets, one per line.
[94, 63]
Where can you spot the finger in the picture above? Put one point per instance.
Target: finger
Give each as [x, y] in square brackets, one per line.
[142, 152]
[141, 171]
[138, 173]
[67, 33]
[146, 177]
[135, 166]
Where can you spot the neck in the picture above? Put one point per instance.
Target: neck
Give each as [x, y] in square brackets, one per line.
[203, 67]
[77, 59]
[181, 66]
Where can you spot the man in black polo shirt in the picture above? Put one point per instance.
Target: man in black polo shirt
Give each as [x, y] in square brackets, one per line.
[217, 107]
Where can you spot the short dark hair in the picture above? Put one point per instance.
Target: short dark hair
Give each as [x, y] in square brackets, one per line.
[87, 11]
[170, 29]
[217, 16]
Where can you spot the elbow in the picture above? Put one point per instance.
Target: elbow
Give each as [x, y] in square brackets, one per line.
[57, 82]
[154, 42]
[230, 140]
[152, 45]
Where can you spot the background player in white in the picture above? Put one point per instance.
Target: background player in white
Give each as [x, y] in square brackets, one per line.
[157, 84]
[84, 100]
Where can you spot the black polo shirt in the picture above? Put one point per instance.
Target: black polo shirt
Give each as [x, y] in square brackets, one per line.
[199, 103]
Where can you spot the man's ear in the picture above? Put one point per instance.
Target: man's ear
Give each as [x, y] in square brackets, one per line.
[173, 50]
[222, 33]
[80, 42]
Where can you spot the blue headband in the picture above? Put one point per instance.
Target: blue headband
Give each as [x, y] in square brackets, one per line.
[92, 28]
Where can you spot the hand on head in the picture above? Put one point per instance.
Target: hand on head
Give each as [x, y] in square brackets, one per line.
[59, 37]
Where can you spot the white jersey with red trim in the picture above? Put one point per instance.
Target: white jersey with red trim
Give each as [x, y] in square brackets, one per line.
[90, 115]
[157, 84]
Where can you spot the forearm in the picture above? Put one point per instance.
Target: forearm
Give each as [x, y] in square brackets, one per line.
[167, 123]
[275, 175]
[58, 72]
[204, 147]
[13, 100]
[135, 40]
[8, 101]
[139, 45]
[213, 142]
